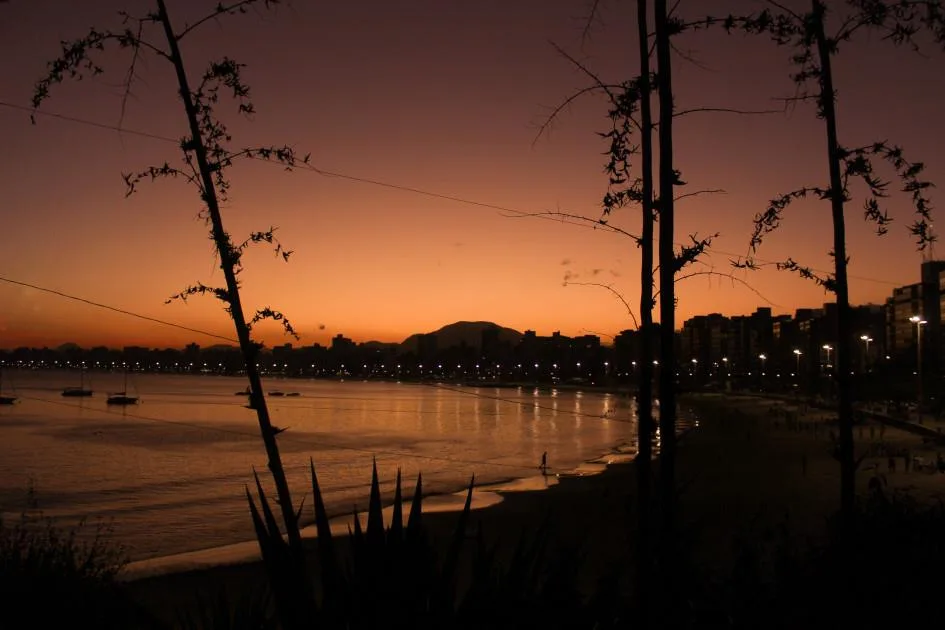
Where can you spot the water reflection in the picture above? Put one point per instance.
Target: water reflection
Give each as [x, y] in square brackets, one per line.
[180, 460]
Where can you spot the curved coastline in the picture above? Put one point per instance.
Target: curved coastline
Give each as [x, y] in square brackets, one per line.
[447, 501]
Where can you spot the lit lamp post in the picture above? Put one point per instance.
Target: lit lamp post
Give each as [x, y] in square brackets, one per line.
[828, 348]
[797, 355]
[763, 358]
[919, 322]
[866, 339]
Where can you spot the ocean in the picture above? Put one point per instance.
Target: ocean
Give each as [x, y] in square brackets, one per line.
[168, 475]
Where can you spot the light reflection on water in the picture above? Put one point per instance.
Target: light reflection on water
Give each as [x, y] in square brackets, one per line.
[170, 473]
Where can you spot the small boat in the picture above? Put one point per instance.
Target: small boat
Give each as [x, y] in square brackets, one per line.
[80, 391]
[75, 392]
[282, 393]
[122, 397]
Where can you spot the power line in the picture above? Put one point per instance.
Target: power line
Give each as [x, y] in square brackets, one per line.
[405, 188]
[115, 309]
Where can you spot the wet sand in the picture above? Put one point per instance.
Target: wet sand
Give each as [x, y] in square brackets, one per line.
[750, 464]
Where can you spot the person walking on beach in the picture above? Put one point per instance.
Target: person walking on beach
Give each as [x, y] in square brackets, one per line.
[544, 463]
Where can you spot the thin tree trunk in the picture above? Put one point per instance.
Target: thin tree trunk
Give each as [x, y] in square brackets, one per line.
[645, 392]
[223, 244]
[667, 178]
[844, 340]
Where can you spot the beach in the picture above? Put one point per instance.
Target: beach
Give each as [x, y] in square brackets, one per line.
[749, 466]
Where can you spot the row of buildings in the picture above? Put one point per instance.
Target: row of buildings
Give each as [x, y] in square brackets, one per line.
[899, 335]
[895, 337]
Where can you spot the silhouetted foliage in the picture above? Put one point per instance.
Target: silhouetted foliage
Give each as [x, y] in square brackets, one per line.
[806, 34]
[394, 575]
[51, 575]
[206, 156]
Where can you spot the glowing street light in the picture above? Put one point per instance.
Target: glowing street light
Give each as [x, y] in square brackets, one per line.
[828, 348]
[866, 362]
[763, 359]
[797, 355]
[919, 322]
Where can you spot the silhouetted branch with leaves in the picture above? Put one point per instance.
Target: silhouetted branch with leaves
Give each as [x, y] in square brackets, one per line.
[812, 76]
[206, 155]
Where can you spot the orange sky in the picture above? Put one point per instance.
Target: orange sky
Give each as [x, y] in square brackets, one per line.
[444, 97]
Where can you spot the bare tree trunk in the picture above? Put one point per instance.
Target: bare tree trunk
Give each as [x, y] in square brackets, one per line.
[645, 392]
[844, 340]
[667, 178]
[224, 248]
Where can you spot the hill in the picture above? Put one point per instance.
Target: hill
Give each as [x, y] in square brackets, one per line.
[457, 334]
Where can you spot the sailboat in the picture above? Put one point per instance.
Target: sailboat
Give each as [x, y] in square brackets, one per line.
[122, 397]
[5, 400]
[81, 390]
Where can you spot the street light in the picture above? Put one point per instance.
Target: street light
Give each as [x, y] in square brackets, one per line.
[866, 362]
[763, 358]
[797, 355]
[919, 322]
[828, 348]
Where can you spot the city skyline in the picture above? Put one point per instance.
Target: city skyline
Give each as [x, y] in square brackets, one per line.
[459, 122]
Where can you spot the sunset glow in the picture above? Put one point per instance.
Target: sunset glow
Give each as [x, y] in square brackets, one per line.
[440, 97]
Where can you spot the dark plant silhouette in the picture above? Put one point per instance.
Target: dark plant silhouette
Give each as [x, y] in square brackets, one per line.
[813, 49]
[630, 113]
[73, 568]
[207, 157]
[391, 575]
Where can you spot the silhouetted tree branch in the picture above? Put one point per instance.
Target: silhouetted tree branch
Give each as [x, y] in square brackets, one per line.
[206, 155]
[813, 78]
[615, 292]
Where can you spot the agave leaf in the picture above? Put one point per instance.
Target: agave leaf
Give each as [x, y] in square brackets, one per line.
[271, 523]
[459, 535]
[396, 531]
[358, 535]
[322, 526]
[262, 534]
[375, 521]
[332, 577]
[414, 521]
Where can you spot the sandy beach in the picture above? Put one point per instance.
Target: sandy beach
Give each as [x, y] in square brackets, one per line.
[750, 464]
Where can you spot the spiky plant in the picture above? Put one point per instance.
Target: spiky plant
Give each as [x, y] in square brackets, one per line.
[392, 573]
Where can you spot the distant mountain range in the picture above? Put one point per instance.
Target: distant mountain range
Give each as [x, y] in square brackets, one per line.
[459, 333]
[449, 336]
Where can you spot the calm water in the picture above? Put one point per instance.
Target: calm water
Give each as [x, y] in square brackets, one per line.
[169, 473]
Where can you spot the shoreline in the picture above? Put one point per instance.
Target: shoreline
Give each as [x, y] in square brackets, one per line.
[753, 469]
[445, 502]
[585, 510]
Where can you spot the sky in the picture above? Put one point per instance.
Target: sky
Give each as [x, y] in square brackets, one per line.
[443, 97]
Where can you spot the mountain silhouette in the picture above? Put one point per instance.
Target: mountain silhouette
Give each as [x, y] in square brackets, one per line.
[460, 333]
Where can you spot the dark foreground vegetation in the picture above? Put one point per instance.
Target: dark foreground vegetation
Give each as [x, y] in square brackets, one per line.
[397, 574]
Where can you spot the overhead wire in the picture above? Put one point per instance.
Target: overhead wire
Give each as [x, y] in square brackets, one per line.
[115, 309]
[404, 188]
